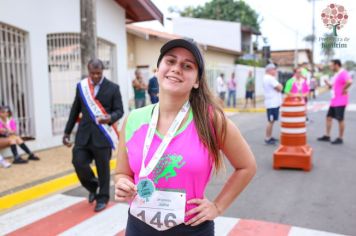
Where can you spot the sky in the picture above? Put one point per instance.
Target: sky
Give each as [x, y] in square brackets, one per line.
[285, 23]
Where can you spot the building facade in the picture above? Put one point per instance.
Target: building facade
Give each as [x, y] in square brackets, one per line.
[40, 58]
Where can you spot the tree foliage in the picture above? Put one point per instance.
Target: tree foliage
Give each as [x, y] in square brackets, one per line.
[350, 65]
[227, 10]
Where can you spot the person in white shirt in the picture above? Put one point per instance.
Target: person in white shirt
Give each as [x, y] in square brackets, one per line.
[273, 100]
[222, 87]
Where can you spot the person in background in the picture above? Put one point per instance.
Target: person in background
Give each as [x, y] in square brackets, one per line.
[313, 86]
[4, 163]
[8, 128]
[299, 86]
[289, 84]
[339, 86]
[99, 102]
[273, 100]
[221, 89]
[140, 88]
[250, 90]
[153, 88]
[231, 100]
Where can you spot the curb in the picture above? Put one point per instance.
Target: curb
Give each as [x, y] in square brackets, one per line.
[43, 189]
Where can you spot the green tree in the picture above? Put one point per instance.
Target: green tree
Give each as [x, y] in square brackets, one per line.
[350, 65]
[227, 10]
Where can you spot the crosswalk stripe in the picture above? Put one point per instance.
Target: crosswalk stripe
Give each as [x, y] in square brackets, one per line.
[59, 221]
[259, 228]
[223, 225]
[66, 216]
[297, 231]
[35, 211]
[109, 222]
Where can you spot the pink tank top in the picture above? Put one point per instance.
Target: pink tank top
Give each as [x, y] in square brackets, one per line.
[186, 164]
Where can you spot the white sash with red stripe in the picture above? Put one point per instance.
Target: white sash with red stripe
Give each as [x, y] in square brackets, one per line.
[96, 110]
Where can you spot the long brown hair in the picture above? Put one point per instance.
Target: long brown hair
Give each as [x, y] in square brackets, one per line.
[209, 119]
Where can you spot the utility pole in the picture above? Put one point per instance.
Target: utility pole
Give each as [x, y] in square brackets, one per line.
[313, 39]
[88, 40]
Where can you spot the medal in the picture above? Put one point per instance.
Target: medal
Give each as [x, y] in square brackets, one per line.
[145, 186]
[145, 189]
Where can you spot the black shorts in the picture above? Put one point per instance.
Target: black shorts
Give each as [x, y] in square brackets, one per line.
[272, 114]
[249, 94]
[337, 113]
[136, 227]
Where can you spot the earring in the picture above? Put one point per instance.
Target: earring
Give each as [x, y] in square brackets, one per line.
[195, 86]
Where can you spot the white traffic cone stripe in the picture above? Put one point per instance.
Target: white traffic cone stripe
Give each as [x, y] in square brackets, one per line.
[293, 119]
[293, 130]
[293, 109]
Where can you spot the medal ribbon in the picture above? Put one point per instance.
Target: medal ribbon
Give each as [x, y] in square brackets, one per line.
[145, 171]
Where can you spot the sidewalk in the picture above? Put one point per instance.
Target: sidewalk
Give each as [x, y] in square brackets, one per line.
[55, 162]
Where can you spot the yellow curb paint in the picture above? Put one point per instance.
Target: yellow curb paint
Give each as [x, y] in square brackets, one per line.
[42, 190]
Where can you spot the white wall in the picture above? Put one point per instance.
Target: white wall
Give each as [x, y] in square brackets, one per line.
[241, 73]
[111, 27]
[42, 17]
[223, 34]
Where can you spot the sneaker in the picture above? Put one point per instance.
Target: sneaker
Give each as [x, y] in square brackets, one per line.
[270, 141]
[19, 160]
[275, 139]
[324, 138]
[32, 157]
[5, 163]
[337, 141]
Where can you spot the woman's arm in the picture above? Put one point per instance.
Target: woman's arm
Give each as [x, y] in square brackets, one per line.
[240, 156]
[125, 189]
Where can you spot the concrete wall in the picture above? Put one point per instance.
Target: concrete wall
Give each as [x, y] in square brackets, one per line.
[215, 58]
[147, 52]
[241, 72]
[42, 17]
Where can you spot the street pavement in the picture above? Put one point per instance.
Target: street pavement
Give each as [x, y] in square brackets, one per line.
[323, 199]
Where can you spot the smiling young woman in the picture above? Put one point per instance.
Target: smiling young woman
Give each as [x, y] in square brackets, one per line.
[168, 151]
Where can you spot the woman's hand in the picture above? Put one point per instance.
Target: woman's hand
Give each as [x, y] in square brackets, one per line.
[125, 190]
[206, 210]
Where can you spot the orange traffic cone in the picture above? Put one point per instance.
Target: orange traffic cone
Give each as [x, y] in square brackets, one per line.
[294, 152]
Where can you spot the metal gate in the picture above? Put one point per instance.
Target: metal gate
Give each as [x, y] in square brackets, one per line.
[65, 72]
[212, 73]
[15, 90]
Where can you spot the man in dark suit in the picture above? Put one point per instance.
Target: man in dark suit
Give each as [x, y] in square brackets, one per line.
[91, 142]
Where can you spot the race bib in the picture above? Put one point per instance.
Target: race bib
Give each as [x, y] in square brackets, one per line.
[163, 210]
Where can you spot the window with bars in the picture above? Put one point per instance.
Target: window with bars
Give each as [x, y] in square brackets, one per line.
[64, 72]
[15, 78]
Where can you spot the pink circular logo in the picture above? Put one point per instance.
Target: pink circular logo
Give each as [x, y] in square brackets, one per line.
[334, 17]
